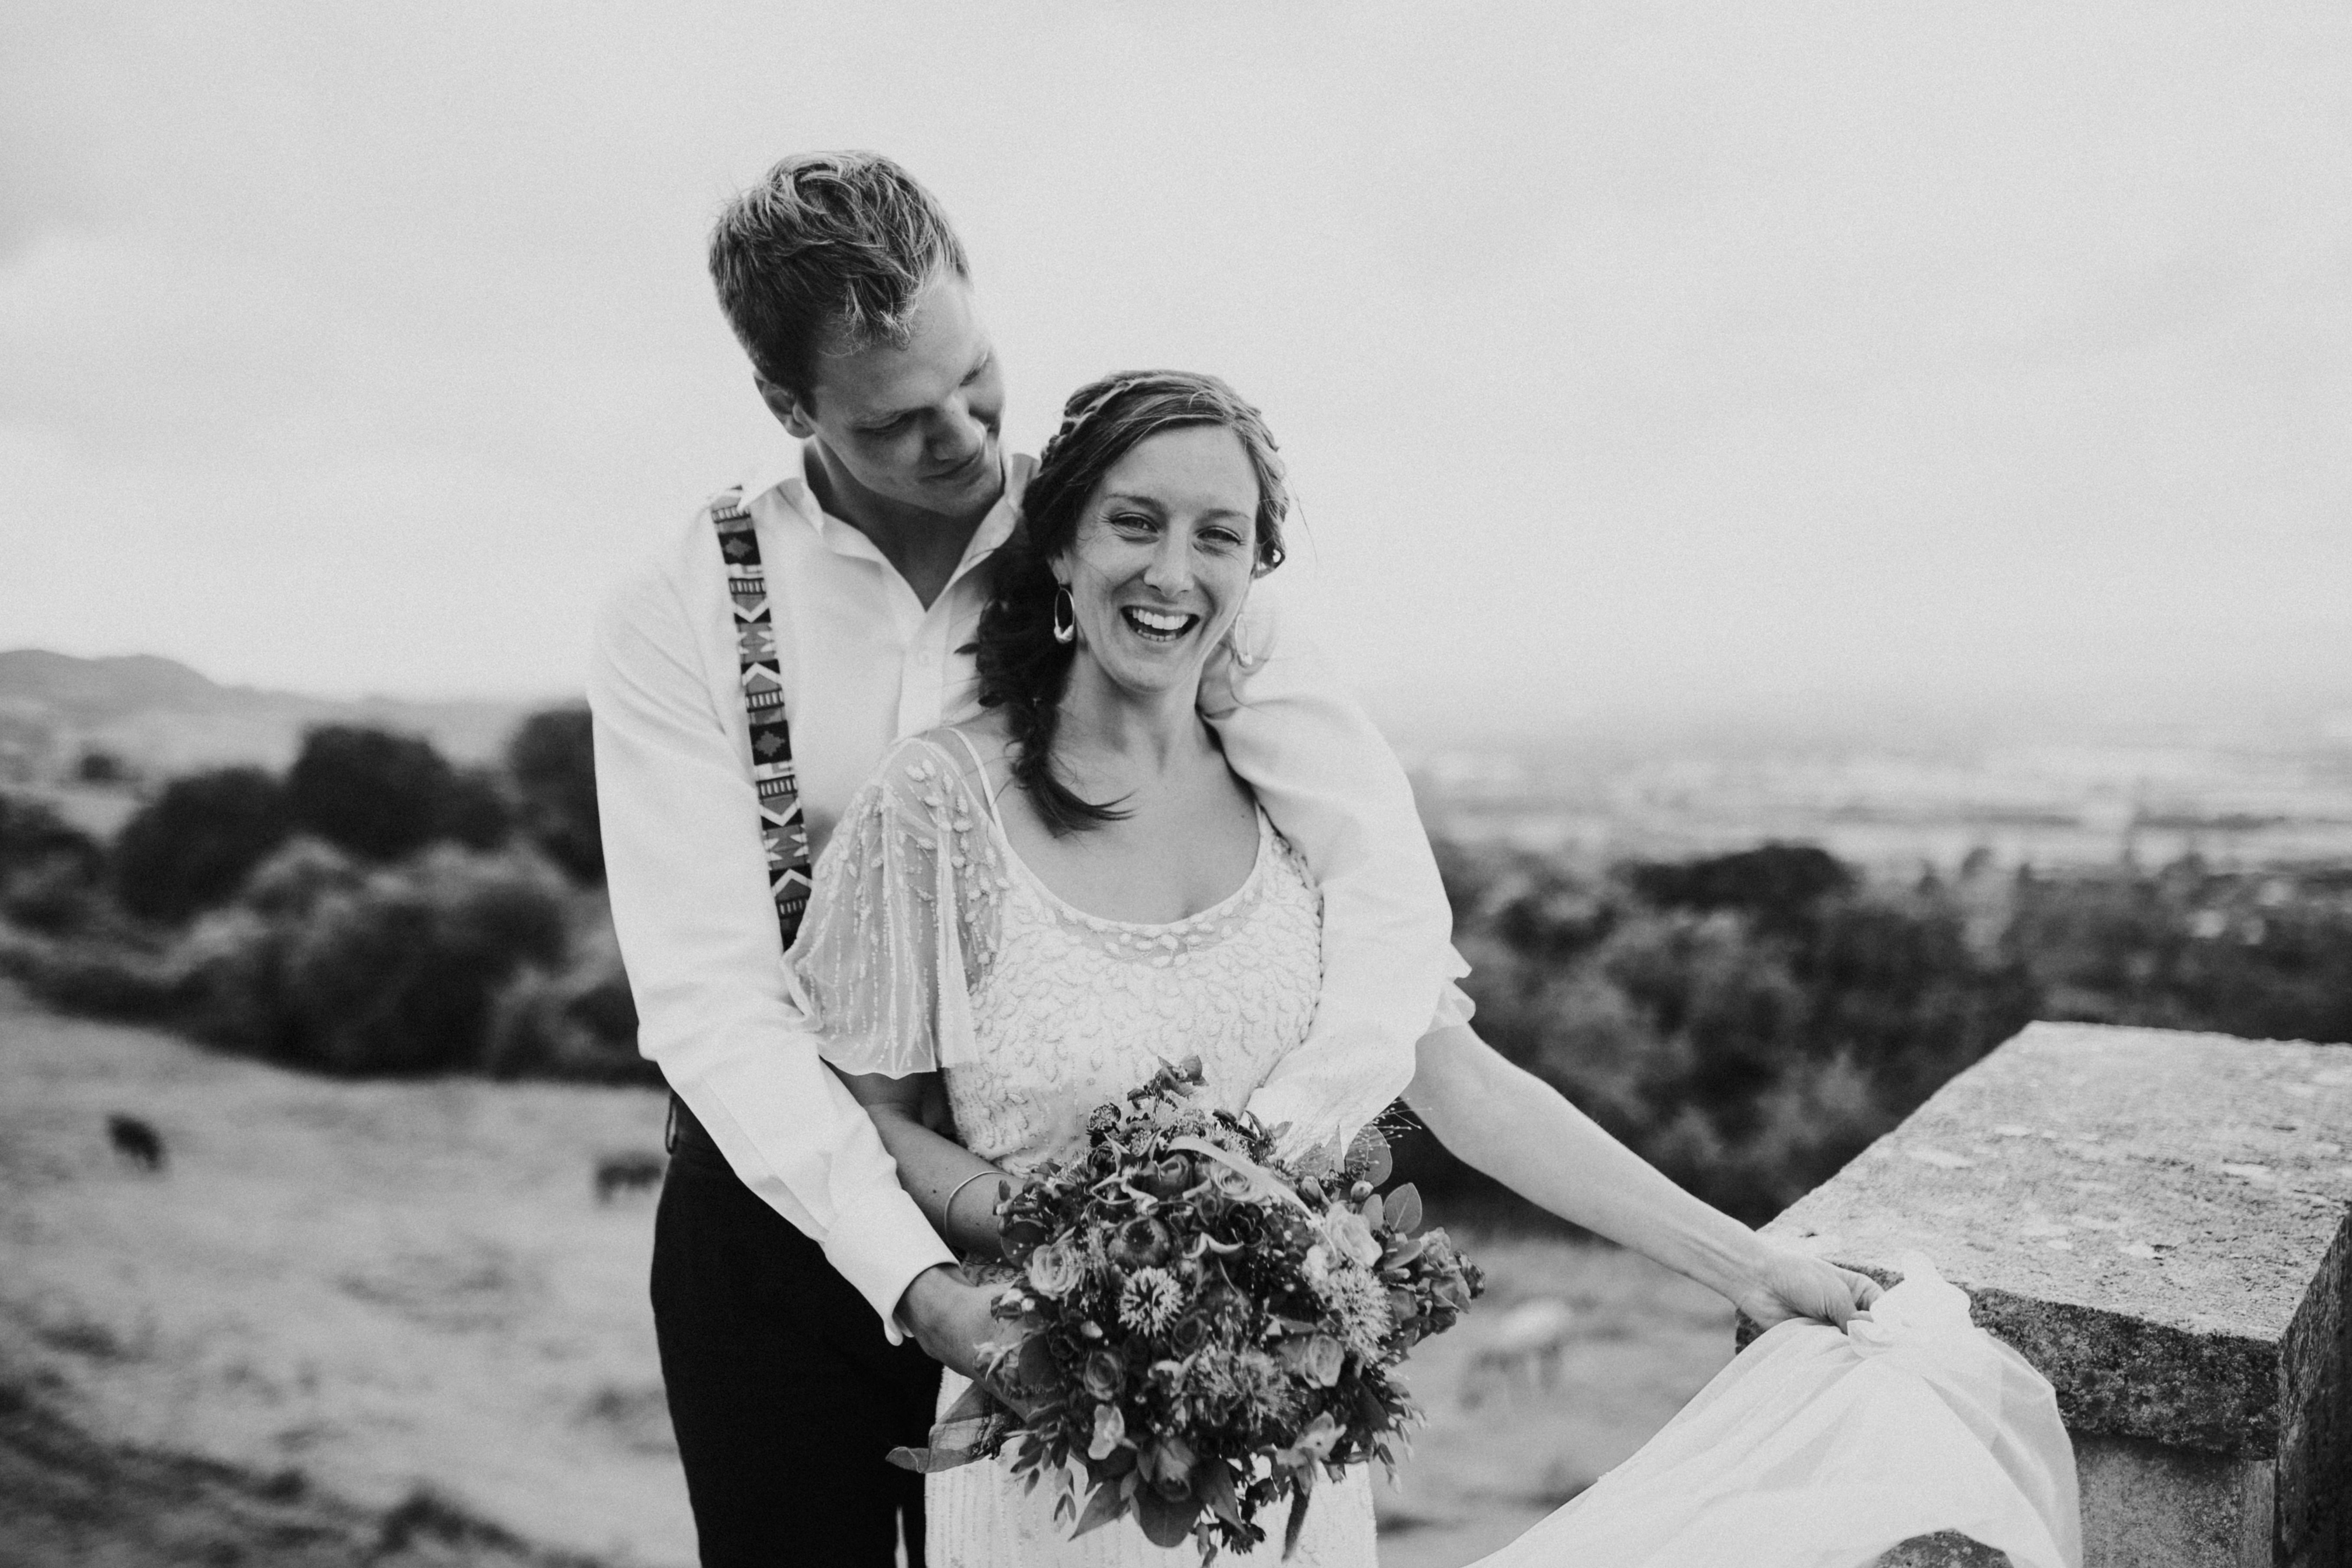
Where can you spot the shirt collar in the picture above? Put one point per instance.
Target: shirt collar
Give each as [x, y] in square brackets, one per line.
[783, 473]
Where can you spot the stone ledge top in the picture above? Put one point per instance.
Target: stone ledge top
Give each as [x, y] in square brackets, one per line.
[2155, 1218]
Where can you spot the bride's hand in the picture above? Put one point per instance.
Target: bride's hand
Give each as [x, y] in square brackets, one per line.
[1791, 1284]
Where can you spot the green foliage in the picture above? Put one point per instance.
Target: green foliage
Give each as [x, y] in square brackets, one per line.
[191, 847]
[553, 760]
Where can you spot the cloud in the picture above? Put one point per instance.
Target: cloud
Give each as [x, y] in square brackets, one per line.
[1622, 354]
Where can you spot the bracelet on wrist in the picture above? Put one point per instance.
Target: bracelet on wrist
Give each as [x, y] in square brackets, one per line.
[957, 1191]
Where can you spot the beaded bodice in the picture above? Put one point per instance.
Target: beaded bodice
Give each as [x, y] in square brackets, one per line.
[1061, 1010]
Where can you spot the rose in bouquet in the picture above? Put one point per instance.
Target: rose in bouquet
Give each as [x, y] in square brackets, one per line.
[1195, 1330]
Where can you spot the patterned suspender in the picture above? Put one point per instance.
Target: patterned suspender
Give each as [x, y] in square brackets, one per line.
[781, 829]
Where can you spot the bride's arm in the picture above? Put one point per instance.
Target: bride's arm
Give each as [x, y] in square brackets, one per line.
[1517, 1129]
[955, 1188]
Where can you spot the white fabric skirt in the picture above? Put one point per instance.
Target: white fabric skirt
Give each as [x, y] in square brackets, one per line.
[1817, 1449]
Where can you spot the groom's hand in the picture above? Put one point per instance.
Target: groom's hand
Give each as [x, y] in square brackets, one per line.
[950, 1317]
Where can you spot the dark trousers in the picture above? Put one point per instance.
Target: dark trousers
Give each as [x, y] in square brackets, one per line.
[783, 1393]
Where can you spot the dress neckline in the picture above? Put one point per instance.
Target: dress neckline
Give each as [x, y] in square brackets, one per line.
[1060, 905]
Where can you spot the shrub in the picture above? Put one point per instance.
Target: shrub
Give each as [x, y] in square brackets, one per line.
[192, 847]
[100, 767]
[104, 976]
[383, 796]
[552, 762]
[49, 870]
[1778, 885]
[1746, 1022]
[579, 1024]
[392, 970]
[475, 812]
[231, 965]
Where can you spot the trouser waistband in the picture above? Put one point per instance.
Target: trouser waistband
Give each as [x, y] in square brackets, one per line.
[689, 1142]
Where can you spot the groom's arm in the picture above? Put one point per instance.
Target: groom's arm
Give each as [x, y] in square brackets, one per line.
[1338, 793]
[685, 869]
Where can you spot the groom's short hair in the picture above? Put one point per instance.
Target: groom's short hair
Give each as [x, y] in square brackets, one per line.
[828, 252]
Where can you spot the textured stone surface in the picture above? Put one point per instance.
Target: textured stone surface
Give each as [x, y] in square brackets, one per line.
[2161, 1222]
[1945, 1549]
[2180, 1508]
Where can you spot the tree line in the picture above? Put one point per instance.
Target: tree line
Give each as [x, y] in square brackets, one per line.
[373, 909]
[1747, 1022]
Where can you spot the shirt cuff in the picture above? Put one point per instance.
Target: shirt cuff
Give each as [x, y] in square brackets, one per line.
[879, 1247]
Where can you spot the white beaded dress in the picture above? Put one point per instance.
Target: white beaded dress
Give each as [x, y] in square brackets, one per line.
[928, 944]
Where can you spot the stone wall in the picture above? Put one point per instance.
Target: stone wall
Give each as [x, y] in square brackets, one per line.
[2161, 1223]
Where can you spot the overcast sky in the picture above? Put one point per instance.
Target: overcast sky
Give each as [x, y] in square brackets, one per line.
[1625, 356]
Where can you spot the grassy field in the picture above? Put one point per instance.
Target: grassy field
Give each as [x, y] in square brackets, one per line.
[340, 1301]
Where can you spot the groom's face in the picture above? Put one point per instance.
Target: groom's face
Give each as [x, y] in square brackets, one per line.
[914, 423]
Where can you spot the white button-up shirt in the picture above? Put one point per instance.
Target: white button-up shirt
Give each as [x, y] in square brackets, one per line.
[863, 663]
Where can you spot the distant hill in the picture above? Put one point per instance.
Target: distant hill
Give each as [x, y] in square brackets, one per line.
[158, 717]
[101, 688]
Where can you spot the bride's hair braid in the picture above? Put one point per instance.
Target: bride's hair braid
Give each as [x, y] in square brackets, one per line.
[1021, 668]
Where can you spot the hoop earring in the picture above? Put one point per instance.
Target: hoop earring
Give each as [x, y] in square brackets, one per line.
[1066, 616]
[1242, 656]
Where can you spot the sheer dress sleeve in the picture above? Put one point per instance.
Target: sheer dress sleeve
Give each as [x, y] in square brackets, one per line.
[902, 919]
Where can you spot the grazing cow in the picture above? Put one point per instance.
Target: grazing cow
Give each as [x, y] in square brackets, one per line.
[1524, 1347]
[633, 1172]
[135, 1141]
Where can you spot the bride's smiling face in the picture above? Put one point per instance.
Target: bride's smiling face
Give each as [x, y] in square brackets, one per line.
[1163, 557]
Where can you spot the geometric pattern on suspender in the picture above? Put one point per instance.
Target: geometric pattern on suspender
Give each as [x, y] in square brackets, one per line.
[784, 833]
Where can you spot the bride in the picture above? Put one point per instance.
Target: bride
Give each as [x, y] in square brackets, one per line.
[1020, 917]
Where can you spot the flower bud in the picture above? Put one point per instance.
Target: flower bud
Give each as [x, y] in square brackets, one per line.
[1109, 1428]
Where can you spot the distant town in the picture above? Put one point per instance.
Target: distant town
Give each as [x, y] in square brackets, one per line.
[2281, 797]
[95, 734]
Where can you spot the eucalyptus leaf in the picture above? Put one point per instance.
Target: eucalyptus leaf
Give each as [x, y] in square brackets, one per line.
[1404, 1209]
[1214, 1485]
[1165, 1523]
[1297, 1523]
[1105, 1505]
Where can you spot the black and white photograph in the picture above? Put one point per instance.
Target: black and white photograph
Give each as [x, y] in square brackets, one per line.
[1081, 785]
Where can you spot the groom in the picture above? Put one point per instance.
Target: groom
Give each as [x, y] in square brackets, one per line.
[789, 1267]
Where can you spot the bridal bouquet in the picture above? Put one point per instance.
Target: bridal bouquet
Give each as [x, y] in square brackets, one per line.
[1202, 1326]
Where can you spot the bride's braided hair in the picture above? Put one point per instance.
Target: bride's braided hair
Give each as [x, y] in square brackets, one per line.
[1021, 668]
